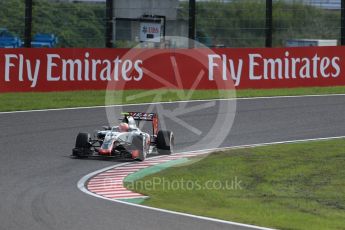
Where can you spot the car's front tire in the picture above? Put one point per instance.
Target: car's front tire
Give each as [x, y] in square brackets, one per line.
[138, 143]
[82, 145]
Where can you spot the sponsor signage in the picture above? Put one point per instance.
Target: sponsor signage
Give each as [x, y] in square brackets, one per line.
[150, 32]
[24, 70]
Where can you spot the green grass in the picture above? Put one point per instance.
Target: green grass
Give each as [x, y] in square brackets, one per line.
[288, 186]
[29, 101]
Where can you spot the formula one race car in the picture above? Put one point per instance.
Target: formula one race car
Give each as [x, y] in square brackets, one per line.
[126, 140]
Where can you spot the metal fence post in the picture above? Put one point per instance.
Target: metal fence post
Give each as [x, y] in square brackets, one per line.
[342, 38]
[192, 14]
[28, 23]
[109, 24]
[269, 23]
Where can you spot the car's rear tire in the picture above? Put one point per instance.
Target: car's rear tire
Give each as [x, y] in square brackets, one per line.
[165, 142]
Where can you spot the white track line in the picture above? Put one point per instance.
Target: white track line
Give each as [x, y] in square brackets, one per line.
[269, 143]
[170, 102]
[102, 184]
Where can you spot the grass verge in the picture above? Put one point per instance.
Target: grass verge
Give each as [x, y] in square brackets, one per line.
[51, 100]
[288, 186]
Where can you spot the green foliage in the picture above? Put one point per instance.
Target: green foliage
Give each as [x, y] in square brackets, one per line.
[12, 15]
[76, 24]
[241, 23]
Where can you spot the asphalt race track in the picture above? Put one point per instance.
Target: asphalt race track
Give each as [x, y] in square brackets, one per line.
[38, 179]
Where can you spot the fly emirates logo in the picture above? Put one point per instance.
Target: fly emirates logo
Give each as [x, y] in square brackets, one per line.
[253, 67]
[59, 69]
[260, 68]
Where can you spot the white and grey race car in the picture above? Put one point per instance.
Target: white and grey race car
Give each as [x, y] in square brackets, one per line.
[126, 140]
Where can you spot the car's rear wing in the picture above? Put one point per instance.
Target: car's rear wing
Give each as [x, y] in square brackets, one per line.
[140, 116]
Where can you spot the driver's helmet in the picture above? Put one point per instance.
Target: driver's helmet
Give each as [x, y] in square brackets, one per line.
[123, 127]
